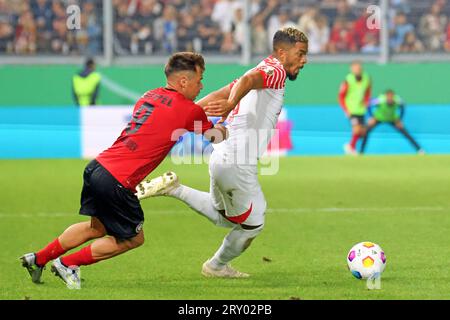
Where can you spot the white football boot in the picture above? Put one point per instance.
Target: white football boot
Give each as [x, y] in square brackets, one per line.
[158, 186]
[29, 262]
[70, 275]
[349, 150]
[225, 272]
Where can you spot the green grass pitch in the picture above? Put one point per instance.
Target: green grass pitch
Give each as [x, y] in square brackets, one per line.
[318, 208]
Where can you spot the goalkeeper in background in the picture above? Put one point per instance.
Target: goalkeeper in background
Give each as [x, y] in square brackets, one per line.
[388, 108]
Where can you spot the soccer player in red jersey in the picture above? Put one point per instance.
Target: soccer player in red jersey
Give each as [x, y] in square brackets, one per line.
[108, 194]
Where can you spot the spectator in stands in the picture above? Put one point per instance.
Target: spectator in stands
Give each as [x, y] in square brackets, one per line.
[411, 44]
[223, 14]
[279, 21]
[123, 30]
[43, 16]
[142, 24]
[307, 21]
[401, 6]
[400, 29]
[187, 32]
[5, 12]
[260, 45]
[318, 34]
[62, 41]
[344, 11]
[396, 7]
[447, 41]
[133, 6]
[342, 37]
[371, 44]
[61, 38]
[209, 31]
[6, 36]
[432, 28]
[228, 45]
[365, 31]
[315, 26]
[93, 29]
[238, 27]
[165, 29]
[86, 85]
[80, 37]
[26, 35]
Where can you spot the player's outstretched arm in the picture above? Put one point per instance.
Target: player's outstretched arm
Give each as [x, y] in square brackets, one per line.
[222, 93]
[251, 80]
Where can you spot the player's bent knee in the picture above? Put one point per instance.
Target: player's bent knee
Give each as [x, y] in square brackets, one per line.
[95, 233]
[129, 244]
[251, 233]
[137, 241]
[97, 228]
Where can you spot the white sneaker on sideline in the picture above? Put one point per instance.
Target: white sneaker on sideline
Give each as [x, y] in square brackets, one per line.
[158, 186]
[225, 272]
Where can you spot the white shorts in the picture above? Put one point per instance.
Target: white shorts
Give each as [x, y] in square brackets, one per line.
[235, 189]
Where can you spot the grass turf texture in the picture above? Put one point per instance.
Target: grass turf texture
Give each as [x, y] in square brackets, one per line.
[318, 208]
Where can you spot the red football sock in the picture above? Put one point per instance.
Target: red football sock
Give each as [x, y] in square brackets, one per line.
[52, 251]
[79, 258]
[354, 140]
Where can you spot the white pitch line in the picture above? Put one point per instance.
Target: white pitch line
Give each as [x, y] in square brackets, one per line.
[270, 210]
[374, 209]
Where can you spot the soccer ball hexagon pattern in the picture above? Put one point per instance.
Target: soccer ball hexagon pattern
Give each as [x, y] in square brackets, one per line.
[366, 259]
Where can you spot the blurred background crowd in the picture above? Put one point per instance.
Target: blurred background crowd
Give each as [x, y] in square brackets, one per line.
[142, 27]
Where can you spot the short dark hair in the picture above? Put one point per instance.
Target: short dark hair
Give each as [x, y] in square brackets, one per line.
[389, 91]
[184, 61]
[290, 36]
[89, 63]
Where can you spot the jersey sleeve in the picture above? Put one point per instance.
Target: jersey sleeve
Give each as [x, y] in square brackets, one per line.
[197, 120]
[273, 76]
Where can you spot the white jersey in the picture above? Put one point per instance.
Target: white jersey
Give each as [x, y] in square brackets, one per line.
[252, 122]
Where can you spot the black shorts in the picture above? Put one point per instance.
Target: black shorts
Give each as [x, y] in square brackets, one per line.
[105, 198]
[357, 120]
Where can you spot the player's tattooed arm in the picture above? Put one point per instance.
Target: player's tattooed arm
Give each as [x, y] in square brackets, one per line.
[222, 107]
[216, 134]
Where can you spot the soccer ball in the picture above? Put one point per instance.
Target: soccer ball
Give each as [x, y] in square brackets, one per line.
[366, 259]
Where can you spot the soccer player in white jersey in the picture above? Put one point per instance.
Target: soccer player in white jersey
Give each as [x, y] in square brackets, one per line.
[252, 105]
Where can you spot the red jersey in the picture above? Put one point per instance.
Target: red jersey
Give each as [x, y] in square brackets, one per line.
[160, 117]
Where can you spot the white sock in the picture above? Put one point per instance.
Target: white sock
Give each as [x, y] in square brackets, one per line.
[236, 242]
[200, 202]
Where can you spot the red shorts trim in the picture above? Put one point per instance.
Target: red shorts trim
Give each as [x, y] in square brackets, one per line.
[242, 217]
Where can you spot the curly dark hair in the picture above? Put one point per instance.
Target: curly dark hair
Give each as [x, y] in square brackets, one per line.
[290, 36]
